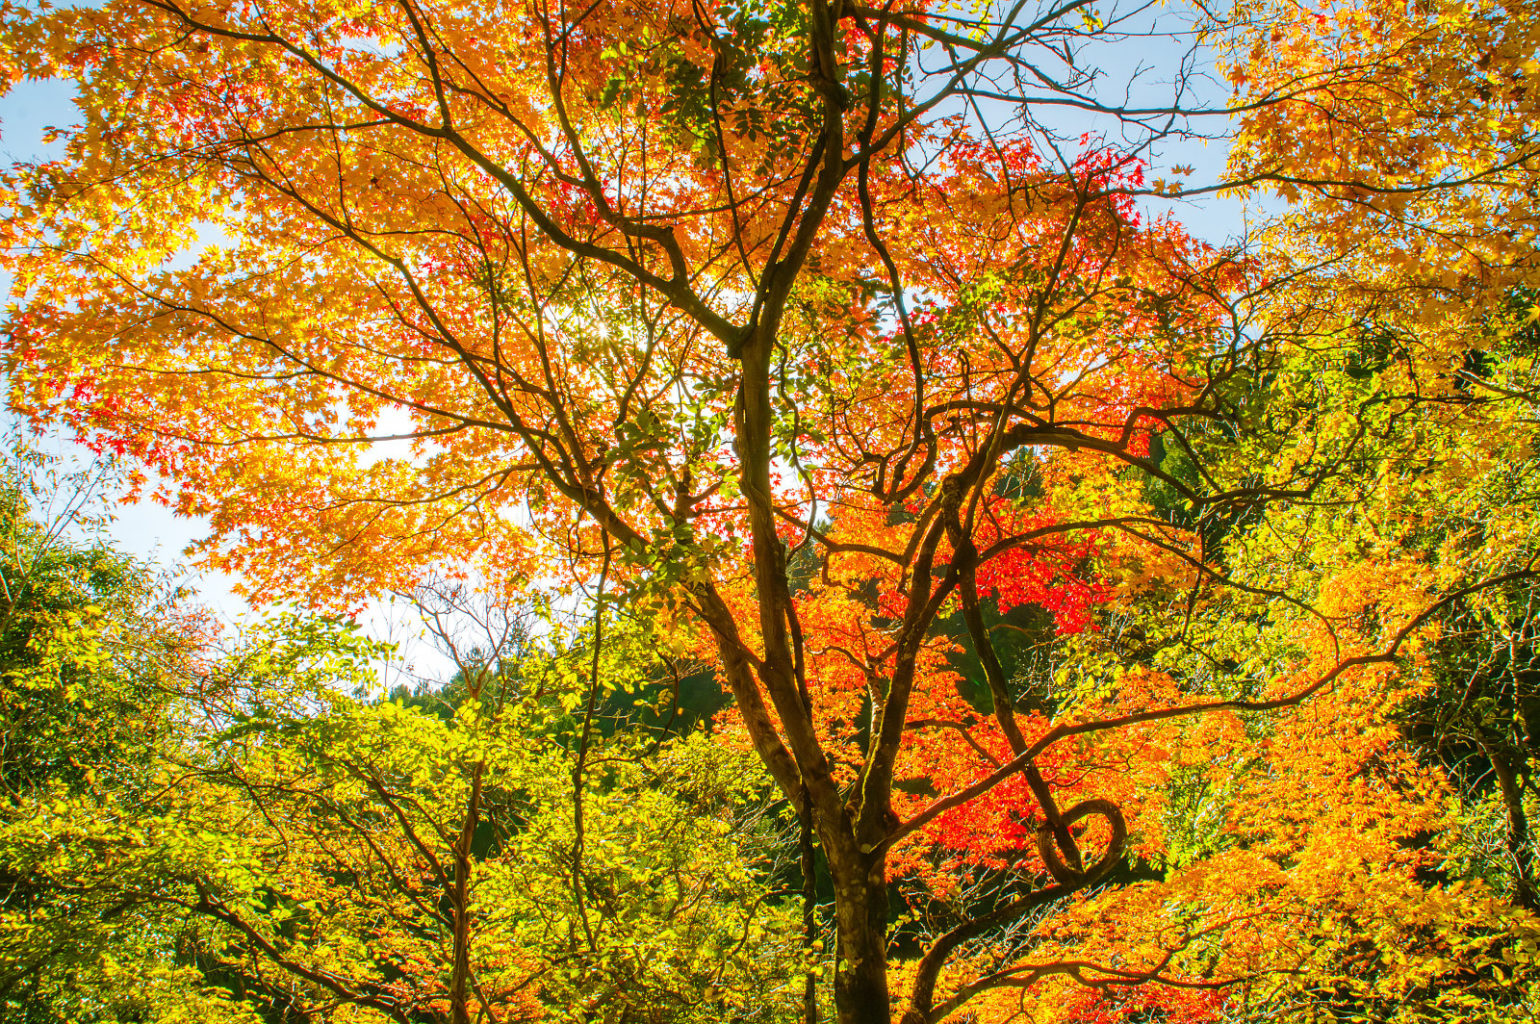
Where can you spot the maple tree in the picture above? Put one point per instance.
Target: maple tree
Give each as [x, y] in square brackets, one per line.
[804, 330]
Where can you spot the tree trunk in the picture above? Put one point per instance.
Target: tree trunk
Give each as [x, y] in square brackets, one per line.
[1506, 769]
[460, 972]
[861, 930]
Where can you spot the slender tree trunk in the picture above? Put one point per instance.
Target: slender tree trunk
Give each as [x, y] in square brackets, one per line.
[1518, 826]
[461, 970]
[809, 864]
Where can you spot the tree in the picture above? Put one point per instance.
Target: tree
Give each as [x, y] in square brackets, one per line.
[296, 853]
[94, 647]
[1403, 138]
[489, 864]
[802, 326]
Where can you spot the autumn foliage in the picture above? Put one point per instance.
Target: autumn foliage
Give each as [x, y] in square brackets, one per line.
[1067, 572]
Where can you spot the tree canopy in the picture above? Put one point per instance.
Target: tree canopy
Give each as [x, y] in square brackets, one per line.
[1136, 626]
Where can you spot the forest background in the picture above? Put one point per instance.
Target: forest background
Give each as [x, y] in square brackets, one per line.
[890, 568]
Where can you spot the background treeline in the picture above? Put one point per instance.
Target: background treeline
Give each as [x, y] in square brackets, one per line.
[196, 828]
